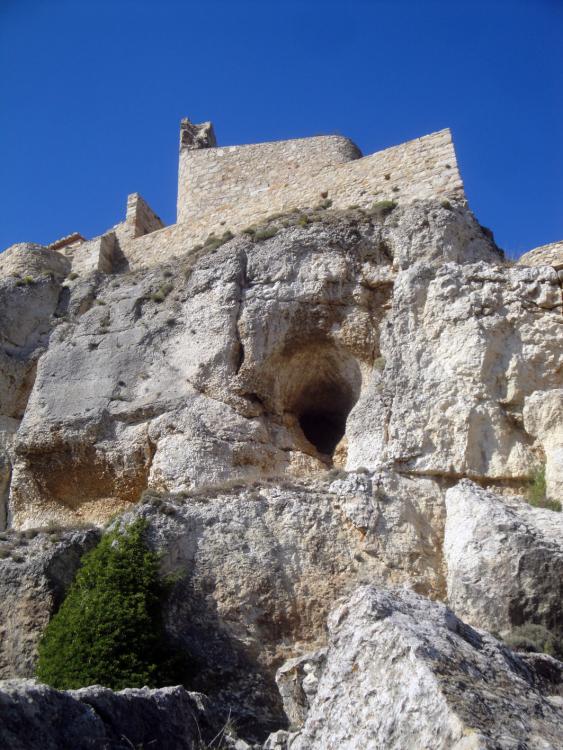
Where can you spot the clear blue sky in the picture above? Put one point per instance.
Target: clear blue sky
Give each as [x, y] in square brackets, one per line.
[92, 91]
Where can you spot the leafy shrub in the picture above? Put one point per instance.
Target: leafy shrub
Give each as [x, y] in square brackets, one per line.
[162, 293]
[530, 637]
[265, 234]
[26, 281]
[303, 220]
[537, 491]
[108, 629]
[383, 207]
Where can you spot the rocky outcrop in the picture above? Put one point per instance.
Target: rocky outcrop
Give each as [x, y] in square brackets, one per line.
[543, 419]
[36, 717]
[266, 356]
[297, 412]
[30, 299]
[403, 672]
[36, 569]
[504, 560]
[260, 567]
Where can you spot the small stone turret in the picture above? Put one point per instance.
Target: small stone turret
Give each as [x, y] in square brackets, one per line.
[194, 136]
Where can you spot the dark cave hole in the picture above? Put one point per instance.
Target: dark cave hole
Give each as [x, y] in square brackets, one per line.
[324, 429]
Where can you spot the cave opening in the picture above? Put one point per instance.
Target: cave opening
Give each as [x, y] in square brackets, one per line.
[323, 386]
[323, 429]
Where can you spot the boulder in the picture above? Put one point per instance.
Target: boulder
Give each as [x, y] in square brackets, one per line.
[36, 568]
[504, 560]
[404, 672]
[37, 717]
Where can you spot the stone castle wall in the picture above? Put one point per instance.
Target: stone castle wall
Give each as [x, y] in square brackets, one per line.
[214, 180]
[420, 169]
[234, 187]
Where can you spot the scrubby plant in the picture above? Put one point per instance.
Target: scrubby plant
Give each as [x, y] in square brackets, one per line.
[213, 242]
[26, 281]
[537, 489]
[532, 637]
[162, 292]
[108, 630]
[383, 207]
[265, 234]
[303, 220]
[73, 275]
[379, 363]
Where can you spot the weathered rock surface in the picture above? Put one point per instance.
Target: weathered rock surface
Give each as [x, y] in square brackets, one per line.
[30, 298]
[34, 576]
[465, 348]
[221, 388]
[36, 717]
[227, 365]
[504, 560]
[262, 566]
[403, 672]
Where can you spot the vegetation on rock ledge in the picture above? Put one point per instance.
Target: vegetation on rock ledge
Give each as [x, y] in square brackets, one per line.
[108, 630]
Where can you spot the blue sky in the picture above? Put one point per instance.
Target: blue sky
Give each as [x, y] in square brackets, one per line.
[91, 94]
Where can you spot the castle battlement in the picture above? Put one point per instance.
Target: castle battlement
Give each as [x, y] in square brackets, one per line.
[228, 188]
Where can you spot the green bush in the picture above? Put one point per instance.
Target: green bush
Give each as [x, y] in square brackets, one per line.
[531, 637]
[162, 292]
[537, 491]
[26, 281]
[108, 629]
[265, 234]
[382, 207]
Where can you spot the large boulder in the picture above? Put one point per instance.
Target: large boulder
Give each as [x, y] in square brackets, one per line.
[37, 717]
[258, 568]
[403, 672]
[504, 560]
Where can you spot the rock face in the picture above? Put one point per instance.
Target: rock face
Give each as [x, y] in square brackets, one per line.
[504, 562]
[261, 566]
[231, 366]
[30, 301]
[297, 411]
[403, 672]
[36, 717]
[395, 339]
[34, 576]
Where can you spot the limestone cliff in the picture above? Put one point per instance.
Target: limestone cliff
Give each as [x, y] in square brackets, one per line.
[337, 399]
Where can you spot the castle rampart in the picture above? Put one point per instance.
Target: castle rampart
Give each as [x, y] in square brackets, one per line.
[230, 197]
[230, 188]
[219, 179]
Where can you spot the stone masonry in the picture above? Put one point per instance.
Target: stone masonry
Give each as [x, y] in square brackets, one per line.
[227, 189]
